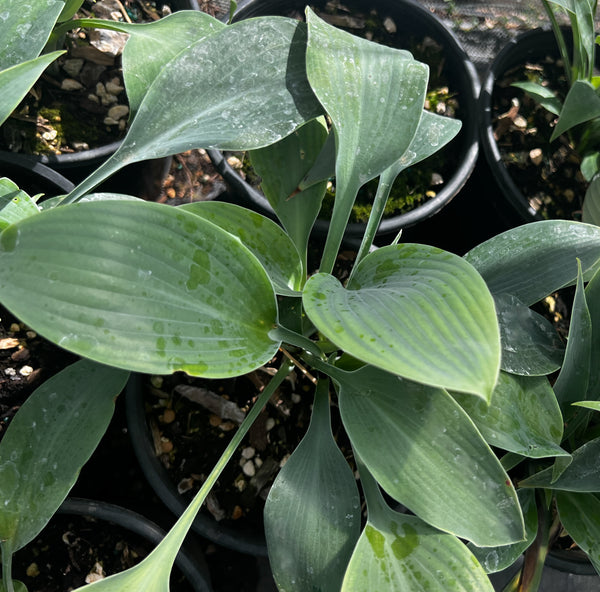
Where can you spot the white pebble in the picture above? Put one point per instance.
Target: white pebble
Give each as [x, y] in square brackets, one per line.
[113, 89]
[118, 112]
[50, 135]
[248, 452]
[25, 370]
[270, 424]
[249, 469]
[70, 84]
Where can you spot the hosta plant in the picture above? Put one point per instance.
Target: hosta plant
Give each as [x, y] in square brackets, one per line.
[415, 347]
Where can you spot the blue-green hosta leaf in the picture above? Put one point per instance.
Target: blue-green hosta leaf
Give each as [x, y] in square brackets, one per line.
[427, 454]
[580, 516]
[241, 88]
[24, 29]
[415, 311]
[398, 553]
[14, 204]
[533, 260]
[589, 168]
[375, 96]
[572, 382]
[16, 81]
[494, 559]
[523, 416]
[583, 474]
[312, 514]
[265, 239]
[542, 95]
[48, 441]
[140, 285]
[582, 103]
[69, 9]
[592, 296]
[591, 203]
[281, 166]
[530, 344]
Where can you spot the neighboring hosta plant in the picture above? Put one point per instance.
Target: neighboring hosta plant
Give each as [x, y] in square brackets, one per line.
[579, 113]
[542, 410]
[405, 347]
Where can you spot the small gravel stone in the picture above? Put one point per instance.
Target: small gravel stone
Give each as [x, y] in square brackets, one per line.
[389, 25]
[73, 66]
[536, 156]
[249, 469]
[25, 370]
[185, 485]
[70, 84]
[269, 424]
[248, 452]
[168, 416]
[118, 111]
[114, 88]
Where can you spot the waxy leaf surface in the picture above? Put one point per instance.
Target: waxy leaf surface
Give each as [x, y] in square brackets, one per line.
[580, 516]
[48, 441]
[398, 553]
[427, 454]
[25, 28]
[494, 559]
[312, 514]
[14, 204]
[265, 239]
[581, 475]
[15, 82]
[415, 311]
[139, 285]
[534, 260]
[374, 96]
[243, 87]
[572, 382]
[530, 344]
[523, 416]
[281, 166]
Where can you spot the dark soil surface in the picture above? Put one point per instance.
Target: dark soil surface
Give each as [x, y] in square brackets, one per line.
[192, 420]
[546, 173]
[74, 550]
[26, 361]
[80, 102]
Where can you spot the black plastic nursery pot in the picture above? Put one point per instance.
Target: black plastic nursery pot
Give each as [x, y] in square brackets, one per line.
[411, 21]
[32, 176]
[139, 179]
[526, 189]
[564, 571]
[91, 520]
[245, 541]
